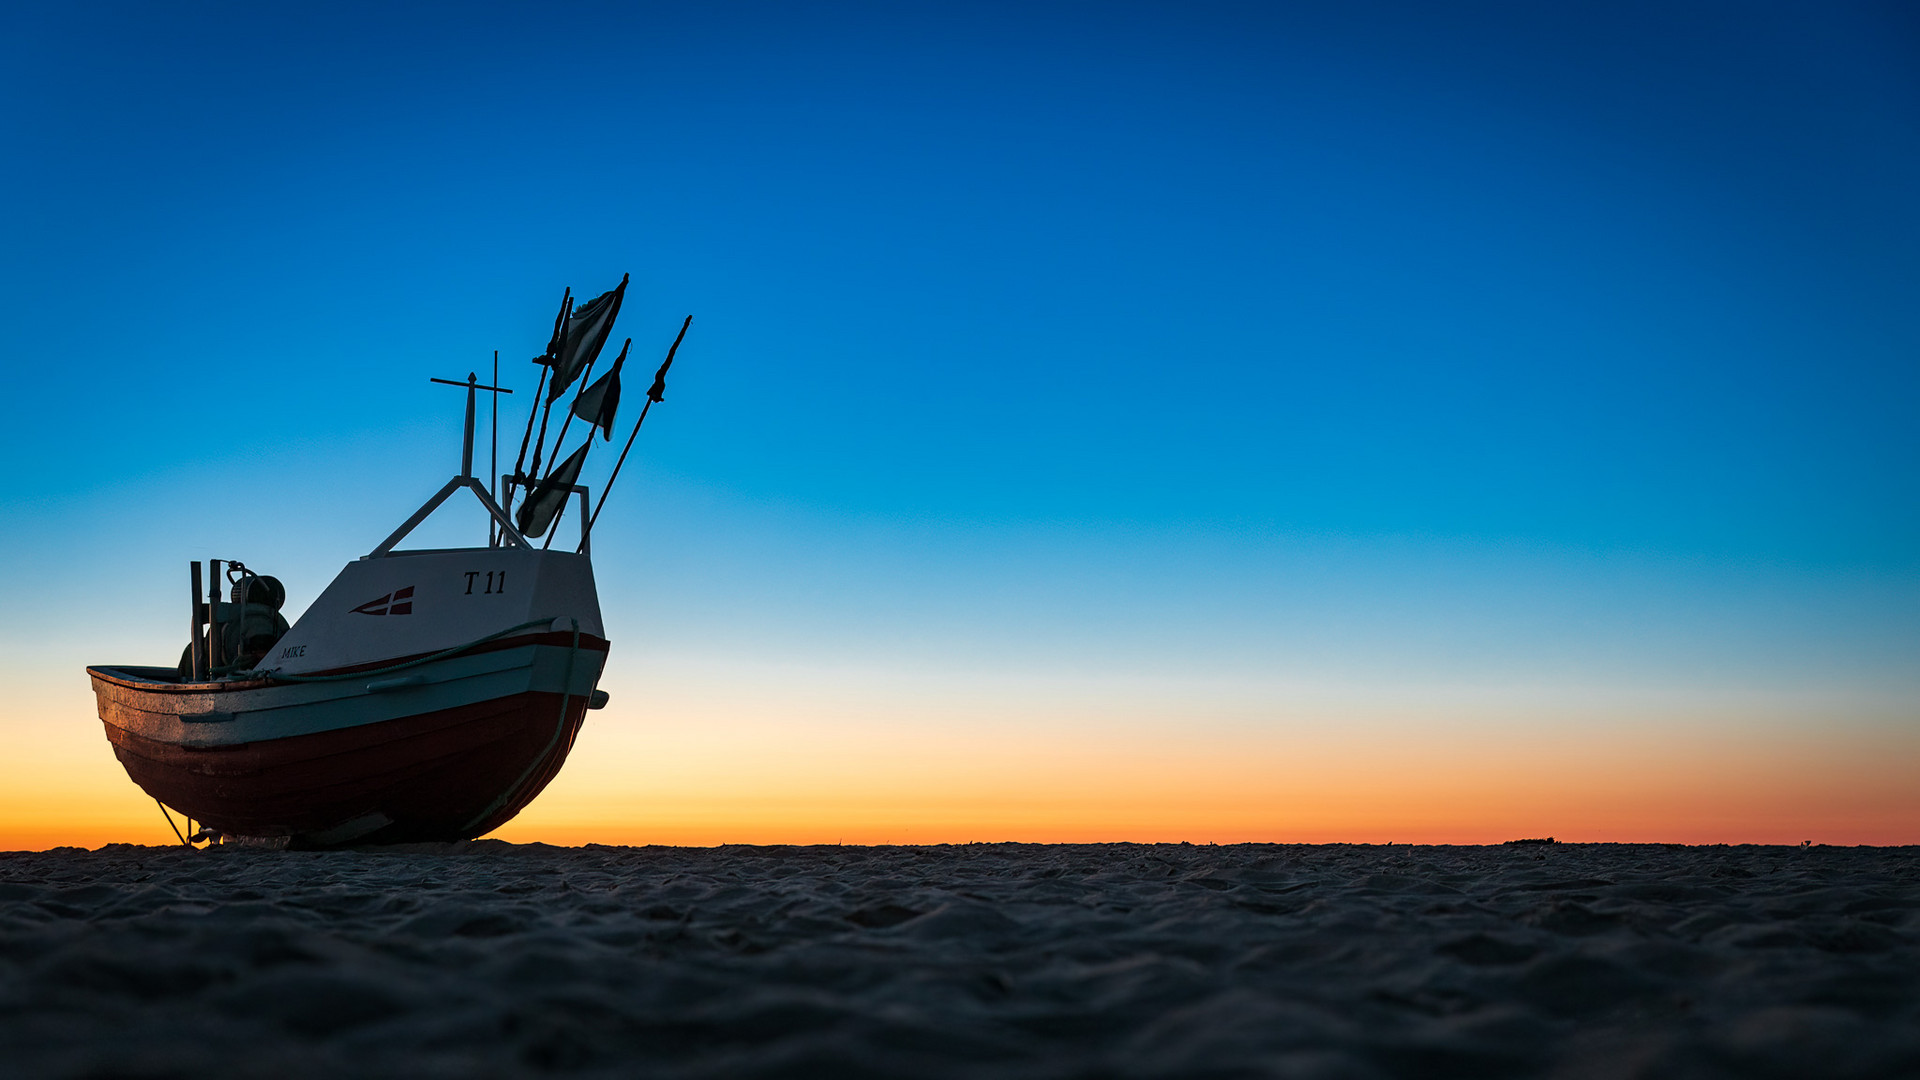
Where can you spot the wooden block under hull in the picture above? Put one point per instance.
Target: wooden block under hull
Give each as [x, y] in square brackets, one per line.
[452, 774]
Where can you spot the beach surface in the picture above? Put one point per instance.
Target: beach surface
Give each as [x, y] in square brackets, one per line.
[991, 960]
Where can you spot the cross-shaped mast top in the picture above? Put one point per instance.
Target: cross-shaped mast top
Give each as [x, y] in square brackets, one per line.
[472, 384]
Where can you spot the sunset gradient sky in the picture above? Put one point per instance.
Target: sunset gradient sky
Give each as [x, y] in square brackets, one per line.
[1296, 422]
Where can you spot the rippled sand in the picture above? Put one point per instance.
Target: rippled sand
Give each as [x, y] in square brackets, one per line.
[986, 960]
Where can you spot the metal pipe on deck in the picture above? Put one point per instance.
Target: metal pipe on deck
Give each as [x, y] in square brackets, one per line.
[197, 664]
[216, 651]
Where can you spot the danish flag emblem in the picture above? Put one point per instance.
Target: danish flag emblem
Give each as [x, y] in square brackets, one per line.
[397, 602]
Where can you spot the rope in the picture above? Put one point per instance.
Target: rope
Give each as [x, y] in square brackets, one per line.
[170, 824]
[441, 655]
[566, 696]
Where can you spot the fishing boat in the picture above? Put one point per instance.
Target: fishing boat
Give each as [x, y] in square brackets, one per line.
[426, 694]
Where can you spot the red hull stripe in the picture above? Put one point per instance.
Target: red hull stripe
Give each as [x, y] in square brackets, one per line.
[430, 775]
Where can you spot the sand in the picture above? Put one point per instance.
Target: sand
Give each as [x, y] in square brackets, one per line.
[490, 959]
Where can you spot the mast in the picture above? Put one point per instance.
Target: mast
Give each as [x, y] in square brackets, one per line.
[466, 477]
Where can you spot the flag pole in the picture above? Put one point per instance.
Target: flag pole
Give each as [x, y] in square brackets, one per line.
[507, 503]
[546, 361]
[493, 450]
[561, 440]
[654, 394]
[619, 293]
[616, 467]
[541, 443]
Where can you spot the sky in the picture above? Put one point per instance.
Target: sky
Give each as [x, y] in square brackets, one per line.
[1287, 422]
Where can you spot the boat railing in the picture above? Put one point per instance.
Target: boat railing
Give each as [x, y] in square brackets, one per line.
[509, 482]
[508, 534]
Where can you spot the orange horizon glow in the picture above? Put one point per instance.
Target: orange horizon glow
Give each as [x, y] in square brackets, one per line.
[701, 776]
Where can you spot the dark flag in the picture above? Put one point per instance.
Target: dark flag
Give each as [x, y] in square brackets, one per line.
[559, 327]
[586, 333]
[597, 403]
[551, 494]
[658, 391]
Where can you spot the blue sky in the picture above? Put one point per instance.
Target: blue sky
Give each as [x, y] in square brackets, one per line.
[1614, 278]
[1556, 346]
